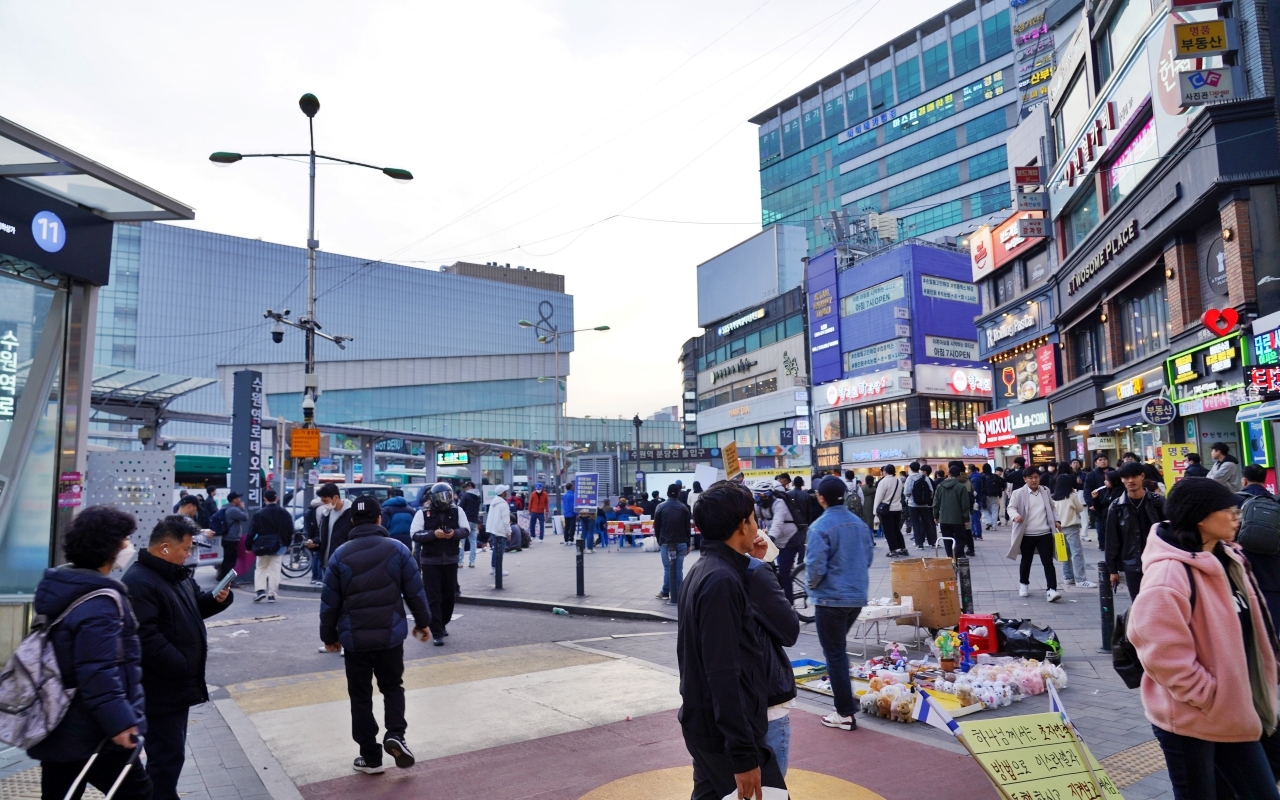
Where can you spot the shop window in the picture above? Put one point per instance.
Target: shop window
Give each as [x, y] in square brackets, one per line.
[829, 426]
[1073, 110]
[1122, 31]
[1144, 321]
[1089, 350]
[1136, 159]
[1035, 269]
[1080, 220]
[873, 420]
[954, 415]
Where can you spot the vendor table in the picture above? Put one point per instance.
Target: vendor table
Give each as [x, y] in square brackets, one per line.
[873, 616]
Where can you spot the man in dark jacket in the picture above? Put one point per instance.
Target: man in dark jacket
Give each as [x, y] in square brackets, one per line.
[208, 506]
[722, 684]
[333, 519]
[366, 586]
[269, 536]
[437, 529]
[1266, 566]
[171, 611]
[236, 525]
[1096, 497]
[778, 627]
[1129, 520]
[1195, 469]
[397, 518]
[671, 526]
[469, 501]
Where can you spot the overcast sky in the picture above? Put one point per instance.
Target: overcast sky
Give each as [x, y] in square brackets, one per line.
[538, 132]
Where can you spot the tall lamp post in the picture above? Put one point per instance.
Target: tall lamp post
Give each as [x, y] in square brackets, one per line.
[310, 106]
[637, 422]
[548, 333]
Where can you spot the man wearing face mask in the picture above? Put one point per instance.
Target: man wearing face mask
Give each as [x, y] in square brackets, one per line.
[171, 611]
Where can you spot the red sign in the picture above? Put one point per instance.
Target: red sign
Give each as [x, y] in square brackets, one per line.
[1026, 176]
[1220, 321]
[1266, 379]
[1271, 481]
[980, 252]
[1046, 370]
[1006, 243]
[995, 430]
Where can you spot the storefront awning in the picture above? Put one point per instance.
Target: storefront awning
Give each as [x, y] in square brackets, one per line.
[1119, 417]
[1269, 410]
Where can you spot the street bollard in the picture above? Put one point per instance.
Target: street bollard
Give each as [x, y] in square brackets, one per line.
[1107, 601]
[497, 566]
[581, 546]
[966, 585]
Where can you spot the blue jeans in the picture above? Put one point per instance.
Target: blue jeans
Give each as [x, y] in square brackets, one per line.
[471, 541]
[317, 569]
[1074, 568]
[778, 737]
[833, 624]
[537, 525]
[1196, 767]
[673, 569]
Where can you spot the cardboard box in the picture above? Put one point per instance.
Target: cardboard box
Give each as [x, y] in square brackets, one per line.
[931, 583]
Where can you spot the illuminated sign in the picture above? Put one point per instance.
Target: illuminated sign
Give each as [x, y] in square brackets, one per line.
[739, 411]
[1209, 369]
[967, 381]
[8, 373]
[1104, 256]
[941, 347]
[1129, 388]
[820, 302]
[453, 458]
[994, 430]
[1266, 348]
[1011, 326]
[981, 252]
[1184, 369]
[876, 385]
[1265, 379]
[1220, 356]
[745, 319]
[743, 365]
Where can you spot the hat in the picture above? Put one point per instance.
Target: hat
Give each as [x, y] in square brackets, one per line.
[1192, 499]
[501, 488]
[233, 496]
[538, 486]
[832, 490]
[366, 507]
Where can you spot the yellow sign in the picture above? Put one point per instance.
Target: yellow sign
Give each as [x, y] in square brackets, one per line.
[1173, 462]
[730, 454]
[1130, 388]
[1198, 39]
[1037, 755]
[305, 443]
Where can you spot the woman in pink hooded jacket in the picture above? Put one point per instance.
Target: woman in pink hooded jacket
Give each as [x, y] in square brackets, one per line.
[1208, 648]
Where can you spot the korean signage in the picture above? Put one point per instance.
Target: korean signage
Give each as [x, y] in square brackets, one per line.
[867, 387]
[1201, 86]
[863, 127]
[731, 464]
[1159, 411]
[1030, 417]
[1104, 256]
[1032, 201]
[1046, 370]
[586, 490]
[882, 353]
[1199, 39]
[1012, 325]
[1208, 369]
[944, 289]
[824, 329]
[453, 458]
[9, 345]
[873, 297]
[740, 322]
[742, 365]
[1173, 461]
[947, 348]
[981, 253]
[962, 381]
[673, 454]
[304, 443]
[246, 437]
[1008, 239]
[1027, 176]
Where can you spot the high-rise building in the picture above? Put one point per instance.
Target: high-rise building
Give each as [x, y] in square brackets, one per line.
[913, 130]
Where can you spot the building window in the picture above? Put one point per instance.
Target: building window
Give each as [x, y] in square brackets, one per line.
[1005, 287]
[996, 37]
[873, 420]
[908, 79]
[1088, 349]
[1136, 159]
[882, 92]
[986, 125]
[964, 46]
[936, 68]
[1122, 31]
[954, 415]
[1072, 111]
[1144, 321]
[1082, 218]
[855, 100]
[833, 113]
[829, 425]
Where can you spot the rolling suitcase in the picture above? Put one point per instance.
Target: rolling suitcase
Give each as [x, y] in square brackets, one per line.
[130, 764]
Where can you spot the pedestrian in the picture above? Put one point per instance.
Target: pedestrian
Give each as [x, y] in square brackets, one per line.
[1097, 496]
[268, 538]
[1034, 520]
[1207, 647]
[779, 513]
[498, 525]
[182, 495]
[333, 518]
[438, 528]
[539, 504]
[311, 530]
[978, 485]
[993, 487]
[470, 502]
[1129, 520]
[208, 506]
[236, 520]
[671, 526]
[837, 562]
[1016, 477]
[1068, 508]
[778, 627]
[569, 510]
[369, 581]
[693, 496]
[723, 713]
[888, 507]
[1265, 561]
[397, 517]
[868, 490]
[171, 611]
[1226, 467]
[1195, 469]
[919, 490]
[97, 647]
[953, 504]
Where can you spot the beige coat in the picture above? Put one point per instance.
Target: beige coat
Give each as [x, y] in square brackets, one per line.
[1019, 502]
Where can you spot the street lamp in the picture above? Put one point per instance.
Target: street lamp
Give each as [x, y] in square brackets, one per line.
[637, 422]
[548, 333]
[310, 106]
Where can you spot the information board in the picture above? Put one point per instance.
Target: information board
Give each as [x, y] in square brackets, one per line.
[305, 443]
[586, 490]
[1037, 755]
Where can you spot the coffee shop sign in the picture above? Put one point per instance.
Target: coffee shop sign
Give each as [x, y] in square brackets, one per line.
[1104, 256]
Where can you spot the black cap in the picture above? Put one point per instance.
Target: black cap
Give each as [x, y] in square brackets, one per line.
[366, 507]
[832, 490]
[233, 496]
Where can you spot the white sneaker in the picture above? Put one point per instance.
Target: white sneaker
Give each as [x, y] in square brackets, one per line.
[1024, 589]
[504, 573]
[1086, 585]
[834, 720]
[1053, 595]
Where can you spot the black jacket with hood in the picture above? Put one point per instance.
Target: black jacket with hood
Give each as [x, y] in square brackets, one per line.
[778, 627]
[1127, 529]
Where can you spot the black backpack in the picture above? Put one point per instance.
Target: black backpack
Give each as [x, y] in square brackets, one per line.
[800, 521]
[1259, 525]
[996, 486]
[1124, 656]
[922, 492]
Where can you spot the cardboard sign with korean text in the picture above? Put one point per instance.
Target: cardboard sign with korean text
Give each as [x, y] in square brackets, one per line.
[1037, 755]
[731, 464]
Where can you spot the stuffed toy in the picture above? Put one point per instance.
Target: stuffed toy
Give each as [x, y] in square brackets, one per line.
[903, 707]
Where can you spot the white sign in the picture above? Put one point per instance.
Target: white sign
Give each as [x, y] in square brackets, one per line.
[1102, 443]
[966, 381]
[1031, 228]
[802, 424]
[902, 331]
[876, 354]
[745, 319]
[1203, 86]
[943, 347]
[877, 295]
[944, 289]
[866, 387]
[901, 312]
[981, 253]
[1033, 201]
[803, 438]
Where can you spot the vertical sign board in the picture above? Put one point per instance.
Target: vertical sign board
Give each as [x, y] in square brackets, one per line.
[824, 323]
[246, 438]
[586, 490]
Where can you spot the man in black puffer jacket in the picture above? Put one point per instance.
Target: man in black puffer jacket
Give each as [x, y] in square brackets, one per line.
[366, 585]
[437, 529]
[778, 627]
[171, 611]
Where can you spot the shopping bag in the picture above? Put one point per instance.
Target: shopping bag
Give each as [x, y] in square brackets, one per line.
[1060, 546]
[768, 792]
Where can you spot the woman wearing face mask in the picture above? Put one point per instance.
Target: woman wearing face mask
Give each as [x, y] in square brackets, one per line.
[99, 656]
[1207, 646]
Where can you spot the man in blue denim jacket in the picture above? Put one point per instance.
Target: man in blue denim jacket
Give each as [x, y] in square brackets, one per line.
[837, 559]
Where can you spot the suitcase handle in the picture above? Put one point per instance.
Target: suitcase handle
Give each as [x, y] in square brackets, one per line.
[133, 757]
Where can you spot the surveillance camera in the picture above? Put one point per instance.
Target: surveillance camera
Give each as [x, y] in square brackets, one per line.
[277, 333]
[285, 312]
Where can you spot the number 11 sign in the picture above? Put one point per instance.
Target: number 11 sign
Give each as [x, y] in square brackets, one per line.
[49, 232]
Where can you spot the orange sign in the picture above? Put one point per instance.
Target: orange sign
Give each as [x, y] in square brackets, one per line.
[731, 464]
[305, 443]
[1006, 244]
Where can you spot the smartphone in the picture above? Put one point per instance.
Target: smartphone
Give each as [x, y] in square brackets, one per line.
[225, 582]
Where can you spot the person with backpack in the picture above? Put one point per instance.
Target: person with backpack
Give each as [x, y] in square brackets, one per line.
[993, 487]
[1259, 534]
[93, 633]
[397, 517]
[1205, 645]
[235, 526]
[888, 507]
[978, 485]
[268, 538]
[208, 506]
[780, 514]
[952, 504]
[868, 502]
[919, 491]
[1129, 520]
[470, 501]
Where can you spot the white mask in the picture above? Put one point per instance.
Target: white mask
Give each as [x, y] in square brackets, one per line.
[125, 556]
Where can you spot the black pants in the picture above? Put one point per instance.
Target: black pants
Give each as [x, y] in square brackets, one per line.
[1198, 769]
[922, 529]
[166, 748]
[56, 776]
[570, 523]
[833, 624]
[387, 666]
[1042, 544]
[441, 583]
[891, 522]
[962, 535]
[713, 772]
[1133, 580]
[230, 552]
[787, 558]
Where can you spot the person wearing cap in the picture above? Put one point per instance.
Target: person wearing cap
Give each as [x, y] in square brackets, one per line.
[539, 503]
[437, 529]
[838, 555]
[1206, 643]
[498, 525]
[367, 584]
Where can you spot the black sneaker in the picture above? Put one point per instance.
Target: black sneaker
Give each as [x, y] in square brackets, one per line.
[259, 597]
[662, 596]
[360, 765]
[397, 749]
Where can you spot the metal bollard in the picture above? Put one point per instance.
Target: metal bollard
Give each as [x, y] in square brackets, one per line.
[1108, 604]
[581, 546]
[966, 585]
[497, 567]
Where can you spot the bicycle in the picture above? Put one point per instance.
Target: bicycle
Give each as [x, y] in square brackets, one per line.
[800, 595]
[297, 557]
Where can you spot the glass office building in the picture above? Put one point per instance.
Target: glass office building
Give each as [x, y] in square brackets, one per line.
[914, 130]
[433, 351]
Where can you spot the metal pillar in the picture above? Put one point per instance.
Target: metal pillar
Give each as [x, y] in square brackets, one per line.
[509, 470]
[476, 468]
[368, 469]
[429, 466]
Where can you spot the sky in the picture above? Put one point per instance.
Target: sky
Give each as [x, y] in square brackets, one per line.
[601, 140]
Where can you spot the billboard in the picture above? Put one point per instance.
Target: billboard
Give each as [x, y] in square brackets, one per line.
[762, 267]
[824, 322]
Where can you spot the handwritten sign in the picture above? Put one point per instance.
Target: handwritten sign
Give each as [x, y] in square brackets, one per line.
[730, 455]
[1037, 755]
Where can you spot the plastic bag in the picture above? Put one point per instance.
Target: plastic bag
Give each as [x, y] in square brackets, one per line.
[1023, 639]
